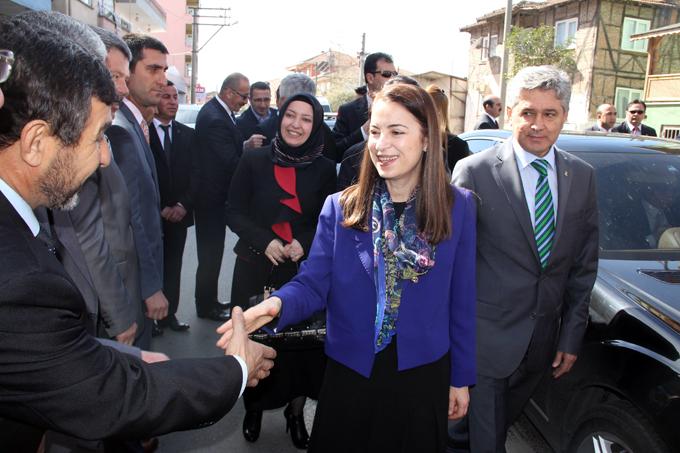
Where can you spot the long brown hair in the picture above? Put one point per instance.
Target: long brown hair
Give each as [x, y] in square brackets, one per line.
[435, 197]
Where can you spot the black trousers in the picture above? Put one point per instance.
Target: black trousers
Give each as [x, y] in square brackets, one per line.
[174, 238]
[210, 233]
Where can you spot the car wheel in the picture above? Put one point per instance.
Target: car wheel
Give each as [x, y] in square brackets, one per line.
[615, 427]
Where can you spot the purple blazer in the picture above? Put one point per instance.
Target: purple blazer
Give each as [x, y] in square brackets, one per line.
[436, 316]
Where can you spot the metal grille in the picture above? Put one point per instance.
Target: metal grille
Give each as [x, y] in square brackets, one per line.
[670, 132]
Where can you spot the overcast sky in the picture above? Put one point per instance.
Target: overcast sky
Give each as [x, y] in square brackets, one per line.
[421, 35]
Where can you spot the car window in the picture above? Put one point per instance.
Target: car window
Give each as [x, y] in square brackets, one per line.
[480, 144]
[639, 199]
[187, 116]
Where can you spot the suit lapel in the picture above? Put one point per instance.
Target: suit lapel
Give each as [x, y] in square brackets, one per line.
[364, 247]
[146, 149]
[507, 177]
[564, 177]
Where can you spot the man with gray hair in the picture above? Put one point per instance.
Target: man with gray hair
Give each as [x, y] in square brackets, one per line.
[291, 85]
[537, 244]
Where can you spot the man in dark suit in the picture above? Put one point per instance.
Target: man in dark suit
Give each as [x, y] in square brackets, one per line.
[171, 146]
[259, 110]
[351, 125]
[537, 244]
[635, 113]
[218, 145]
[129, 137]
[57, 109]
[492, 109]
[290, 85]
[606, 118]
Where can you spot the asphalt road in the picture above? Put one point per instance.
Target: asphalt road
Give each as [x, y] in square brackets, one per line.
[225, 436]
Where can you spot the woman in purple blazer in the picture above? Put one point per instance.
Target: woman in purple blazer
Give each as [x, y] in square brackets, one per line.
[399, 295]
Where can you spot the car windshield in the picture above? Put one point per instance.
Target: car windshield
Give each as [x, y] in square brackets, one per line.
[187, 115]
[639, 200]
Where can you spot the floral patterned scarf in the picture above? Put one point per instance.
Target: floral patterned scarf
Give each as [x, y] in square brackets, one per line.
[400, 252]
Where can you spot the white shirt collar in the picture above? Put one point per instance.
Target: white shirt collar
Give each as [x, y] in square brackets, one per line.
[631, 126]
[135, 111]
[525, 158]
[369, 101]
[226, 107]
[20, 205]
[491, 117]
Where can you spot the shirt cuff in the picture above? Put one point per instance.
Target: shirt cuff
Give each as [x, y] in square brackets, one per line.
[244, 370]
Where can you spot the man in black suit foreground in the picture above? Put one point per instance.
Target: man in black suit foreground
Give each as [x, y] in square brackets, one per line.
[635, 113]
[492, 109]
[51, 139]
[171, 146]
[351, 125]
[259, 110]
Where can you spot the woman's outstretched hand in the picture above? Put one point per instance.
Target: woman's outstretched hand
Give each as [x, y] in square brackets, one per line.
[255, 317]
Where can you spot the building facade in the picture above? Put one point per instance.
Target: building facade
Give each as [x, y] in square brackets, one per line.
[610, 66]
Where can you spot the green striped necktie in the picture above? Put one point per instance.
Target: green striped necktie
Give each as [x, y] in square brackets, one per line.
[544, 219]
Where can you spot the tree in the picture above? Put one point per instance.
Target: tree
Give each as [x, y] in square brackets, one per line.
[535, 47]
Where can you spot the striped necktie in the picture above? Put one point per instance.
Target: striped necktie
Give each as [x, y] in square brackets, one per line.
[544, 219]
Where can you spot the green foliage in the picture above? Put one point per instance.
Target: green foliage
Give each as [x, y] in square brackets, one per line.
[535, 47]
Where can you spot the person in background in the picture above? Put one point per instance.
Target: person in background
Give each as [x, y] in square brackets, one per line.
[492, 110]
[606, 118]
[274, 203]
[259, 110]
[455, 148]
[635, 113]
[391, 262]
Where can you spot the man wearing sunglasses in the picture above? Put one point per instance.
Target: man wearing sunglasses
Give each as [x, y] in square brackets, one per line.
[635, 113]
[351, 125]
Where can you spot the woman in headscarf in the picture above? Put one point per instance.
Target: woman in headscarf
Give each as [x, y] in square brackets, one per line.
[275, 199]
[393, 264]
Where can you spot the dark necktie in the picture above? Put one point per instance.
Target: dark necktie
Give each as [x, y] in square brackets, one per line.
[233, 117]
[544, 220]
[46, 239]
[167, 143]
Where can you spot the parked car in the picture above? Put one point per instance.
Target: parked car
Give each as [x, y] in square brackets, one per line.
[187, 113]
[623, 394]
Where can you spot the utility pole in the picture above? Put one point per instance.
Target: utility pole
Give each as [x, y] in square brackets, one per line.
[212, 17]
[504, 62]
[362, 57]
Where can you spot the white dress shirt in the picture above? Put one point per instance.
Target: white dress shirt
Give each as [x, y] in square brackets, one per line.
[161, 132]
[21, 207]
[226, 107]
[529, 176]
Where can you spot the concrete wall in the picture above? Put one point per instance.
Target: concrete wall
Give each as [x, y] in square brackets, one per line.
[174, 36]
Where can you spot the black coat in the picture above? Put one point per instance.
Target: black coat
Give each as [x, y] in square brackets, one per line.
[254, 200]
[486, 123]
[218, 145]
[247, 122]
[54, 376]
[644, 130]
[175, 177]
[456, 149]
[347, 129]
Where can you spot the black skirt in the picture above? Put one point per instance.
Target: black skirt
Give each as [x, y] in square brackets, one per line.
[392, 411]
[298, 370]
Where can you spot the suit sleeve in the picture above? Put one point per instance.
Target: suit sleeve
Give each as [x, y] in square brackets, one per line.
[307, 292]
[220, 144]
[186, 197]
[462, 177]
[344, 137]
[131, 167]
[581, 277]
[115, 305]
[73, 384]
[240, 194]
[463, 297]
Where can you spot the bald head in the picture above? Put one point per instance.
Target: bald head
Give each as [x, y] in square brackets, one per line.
[606, 116]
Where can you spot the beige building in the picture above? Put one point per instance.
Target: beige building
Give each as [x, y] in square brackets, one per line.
[328, 68]
[455, 89]
[121, 16]
[610, 66]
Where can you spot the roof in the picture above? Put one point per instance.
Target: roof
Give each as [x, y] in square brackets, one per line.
[433, 75]
[657, 32]
[527, 6]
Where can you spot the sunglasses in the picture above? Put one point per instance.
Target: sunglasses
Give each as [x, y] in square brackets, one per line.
[639, 112]
[245, 97]
[387, 74]
[6, 62]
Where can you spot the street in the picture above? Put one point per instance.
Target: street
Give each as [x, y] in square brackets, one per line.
[225, 436]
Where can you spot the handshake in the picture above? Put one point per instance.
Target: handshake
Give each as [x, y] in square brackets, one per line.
[259, 358]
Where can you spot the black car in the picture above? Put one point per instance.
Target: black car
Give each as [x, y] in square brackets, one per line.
[623, 394]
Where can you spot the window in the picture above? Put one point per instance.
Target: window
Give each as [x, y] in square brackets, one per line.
[493, 43]
[565, 32]
[632, 26]
[623, 97]
[485, 48]
[87, 2]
